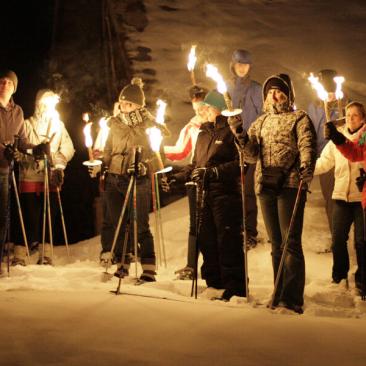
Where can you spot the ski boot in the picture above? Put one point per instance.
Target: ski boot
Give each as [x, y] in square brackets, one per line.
[45, 254]
[146, 276]
[185, 273]
[121, 271]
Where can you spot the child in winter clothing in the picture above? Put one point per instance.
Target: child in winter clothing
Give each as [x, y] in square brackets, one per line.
[45, 123]
[127, 131]
[183, 148]
[215, 170]
[247, 95]
[284, 139]
[350, 142]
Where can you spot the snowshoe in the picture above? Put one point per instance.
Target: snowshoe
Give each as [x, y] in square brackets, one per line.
[121, 272]
[46, 261]
[145, 277]
[186, 273]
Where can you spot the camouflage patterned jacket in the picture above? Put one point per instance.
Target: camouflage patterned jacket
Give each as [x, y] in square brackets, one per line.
[277, 140]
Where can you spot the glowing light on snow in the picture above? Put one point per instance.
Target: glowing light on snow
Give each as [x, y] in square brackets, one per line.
[212, 72]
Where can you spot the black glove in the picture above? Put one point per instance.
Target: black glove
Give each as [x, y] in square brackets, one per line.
[236, 127]
[209, 174]
[360, 180]
[306, 174]
[141, 169]
[9, 152]
[331, 133]
[57, 177]
[39, 151]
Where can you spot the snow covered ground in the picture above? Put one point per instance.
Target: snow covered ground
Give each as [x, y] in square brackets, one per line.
[65, 315]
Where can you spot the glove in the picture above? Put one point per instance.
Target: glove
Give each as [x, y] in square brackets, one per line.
[57, 177]
[19, 156]
[199, 174]
[166, 182]
[331, 133]
[306, 174]
[39, 151]
[9, 152]
[360, 180]
[141, 170]
[236, 127]
[94, 170]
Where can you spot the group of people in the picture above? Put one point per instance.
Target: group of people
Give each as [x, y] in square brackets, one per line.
[283, 148]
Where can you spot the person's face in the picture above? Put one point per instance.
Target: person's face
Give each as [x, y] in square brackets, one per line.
[276, 96]
[212, 113]
[354, 118]
[127, 107]
[241, 69]
[6, 88]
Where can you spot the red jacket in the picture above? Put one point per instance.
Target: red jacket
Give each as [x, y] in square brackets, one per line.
[356, 151]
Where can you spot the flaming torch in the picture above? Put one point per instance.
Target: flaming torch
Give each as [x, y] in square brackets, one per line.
[192, 62]
[155, 136]
[89, 142]
[339, 80]
[211, 72]
[322, 93]
[49, 102]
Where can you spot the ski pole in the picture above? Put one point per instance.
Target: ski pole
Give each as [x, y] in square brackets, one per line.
[63, 222]
[284, 250]
[160, 225]
[135, 232]
[156, 231]
[243, 203]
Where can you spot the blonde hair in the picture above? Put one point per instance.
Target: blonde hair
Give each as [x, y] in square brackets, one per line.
[359, 106]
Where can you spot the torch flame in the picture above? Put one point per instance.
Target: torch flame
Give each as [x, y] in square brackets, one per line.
[318, 87]
[87, 134]
[211, 72]
[104, 131]
[161, 111]
[339, 80]
[192, 58]
[86, 117]
[49, 102]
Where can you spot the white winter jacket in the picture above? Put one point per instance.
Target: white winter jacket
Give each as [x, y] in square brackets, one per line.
[345, 173]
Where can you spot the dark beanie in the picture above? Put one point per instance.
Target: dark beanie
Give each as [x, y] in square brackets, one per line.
[281, 82]
[241, 57]
[133, 92]
[215, 99]
[197, 91]
[10, 75]
[326, 78]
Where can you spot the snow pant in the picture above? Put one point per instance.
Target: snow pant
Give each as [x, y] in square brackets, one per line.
[327, 186]
[251, 209]
[4, 209]
[191, 253]
[114, 195]
[277, 212]
[221, 242]
[32, 209]
[344, 215]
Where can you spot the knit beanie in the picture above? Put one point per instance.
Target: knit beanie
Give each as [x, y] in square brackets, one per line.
[133, 92]
[281, 82]
[215, 99]
[326, 78]
[197, 91]
[241, 57]
[10, 75]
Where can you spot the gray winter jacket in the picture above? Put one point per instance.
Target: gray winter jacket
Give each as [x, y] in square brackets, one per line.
[11, 124]
[277, 140]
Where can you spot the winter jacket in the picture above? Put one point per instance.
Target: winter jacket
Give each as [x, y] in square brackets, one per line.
[215, 147]
[285, 140]
[355, 151]
[126, 132]
[247, 95]
[61, 146]
[317, 115]
[11, 124]
[345, 173]
[186, 142]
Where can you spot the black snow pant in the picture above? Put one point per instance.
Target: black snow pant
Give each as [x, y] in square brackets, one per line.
[221, 242]
[251, 208]
[277, 211]
[114, 195]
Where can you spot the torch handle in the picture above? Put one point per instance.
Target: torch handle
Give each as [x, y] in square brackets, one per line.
[326, 110]
[228, 101]
[160, 160]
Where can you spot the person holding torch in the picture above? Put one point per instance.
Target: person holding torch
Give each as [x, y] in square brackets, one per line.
[43, 128]
[283, 144]
[128, 130]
